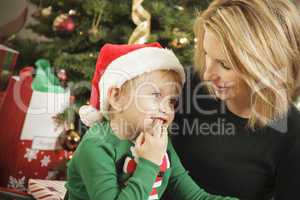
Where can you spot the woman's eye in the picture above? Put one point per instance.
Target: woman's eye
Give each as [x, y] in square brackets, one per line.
[225, 66]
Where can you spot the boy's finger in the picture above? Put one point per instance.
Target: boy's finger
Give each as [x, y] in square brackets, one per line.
[139, 139]
[157, 130]
[164, 135]
[147, 136]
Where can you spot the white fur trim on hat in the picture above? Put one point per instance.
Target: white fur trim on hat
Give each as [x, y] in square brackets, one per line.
[133, 64]
[89, 115]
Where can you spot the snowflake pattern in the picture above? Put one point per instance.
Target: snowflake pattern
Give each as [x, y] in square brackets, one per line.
[18, 184]
[31, 154]
[45, 161]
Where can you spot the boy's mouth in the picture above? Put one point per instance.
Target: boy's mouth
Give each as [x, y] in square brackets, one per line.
[163, 120]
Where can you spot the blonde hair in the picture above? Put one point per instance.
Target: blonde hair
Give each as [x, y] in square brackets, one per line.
[259, 40]
[288, 16]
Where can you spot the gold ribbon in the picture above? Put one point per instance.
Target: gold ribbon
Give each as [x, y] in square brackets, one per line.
[142, 19]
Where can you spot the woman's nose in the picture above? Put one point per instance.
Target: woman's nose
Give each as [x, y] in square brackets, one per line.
[210, 72]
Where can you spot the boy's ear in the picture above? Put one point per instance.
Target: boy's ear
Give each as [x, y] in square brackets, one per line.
[114, 98]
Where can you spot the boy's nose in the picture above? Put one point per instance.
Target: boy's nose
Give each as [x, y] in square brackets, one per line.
[166, 108]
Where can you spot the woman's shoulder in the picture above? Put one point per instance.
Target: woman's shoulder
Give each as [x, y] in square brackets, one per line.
[285, 133]
[294, 113]
[293, 121]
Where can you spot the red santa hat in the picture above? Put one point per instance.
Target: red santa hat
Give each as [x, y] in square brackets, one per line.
[117, 64]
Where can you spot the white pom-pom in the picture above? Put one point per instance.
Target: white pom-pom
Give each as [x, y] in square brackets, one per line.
[89, 115]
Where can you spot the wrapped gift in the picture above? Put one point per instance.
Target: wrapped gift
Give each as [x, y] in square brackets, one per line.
[28, 145]
[11, 194]
[46, 189]
[8, 58]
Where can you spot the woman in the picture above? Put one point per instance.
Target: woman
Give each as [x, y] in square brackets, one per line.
[243, 139]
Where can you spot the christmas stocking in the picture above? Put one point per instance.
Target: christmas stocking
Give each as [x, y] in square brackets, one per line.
[27, 129]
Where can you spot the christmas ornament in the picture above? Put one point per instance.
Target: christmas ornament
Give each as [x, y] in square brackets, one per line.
[94, 32]
[181, 39]
[72, 12]
[70, 138]
[94, 35]
[142, 19]
[179, 42]
[46, 12]
[63, 23]
[62, 75]
[70, 155]
[180, 8]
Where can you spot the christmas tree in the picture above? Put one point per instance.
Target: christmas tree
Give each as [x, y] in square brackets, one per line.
[76, 29]
[73, 31]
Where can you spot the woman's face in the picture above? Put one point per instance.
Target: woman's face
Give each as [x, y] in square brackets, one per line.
[225, 81]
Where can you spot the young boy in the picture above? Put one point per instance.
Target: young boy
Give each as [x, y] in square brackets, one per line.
[125, 155]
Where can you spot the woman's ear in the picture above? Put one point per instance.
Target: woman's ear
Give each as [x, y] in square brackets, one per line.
[114, 95]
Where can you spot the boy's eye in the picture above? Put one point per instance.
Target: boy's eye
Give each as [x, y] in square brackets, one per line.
[174, 102]
[156, 94]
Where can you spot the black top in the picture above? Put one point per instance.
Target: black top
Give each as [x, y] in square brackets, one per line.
[227, 158]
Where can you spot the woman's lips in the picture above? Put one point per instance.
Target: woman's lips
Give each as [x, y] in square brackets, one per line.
[219, 88]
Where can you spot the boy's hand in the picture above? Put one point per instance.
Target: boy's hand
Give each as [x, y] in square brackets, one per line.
[153, 146]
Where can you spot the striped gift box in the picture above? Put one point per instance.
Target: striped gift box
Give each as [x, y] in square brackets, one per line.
[46, 189]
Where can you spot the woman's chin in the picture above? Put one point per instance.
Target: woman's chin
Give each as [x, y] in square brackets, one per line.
[221, 95]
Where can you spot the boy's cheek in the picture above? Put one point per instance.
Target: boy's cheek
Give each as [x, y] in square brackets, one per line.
[171, 117]
[146, 107]
[147, 124]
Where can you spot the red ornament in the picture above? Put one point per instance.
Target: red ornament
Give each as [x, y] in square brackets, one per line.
[63, 23]
[62, 75]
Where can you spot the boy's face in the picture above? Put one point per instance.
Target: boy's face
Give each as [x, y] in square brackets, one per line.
[151, 99]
